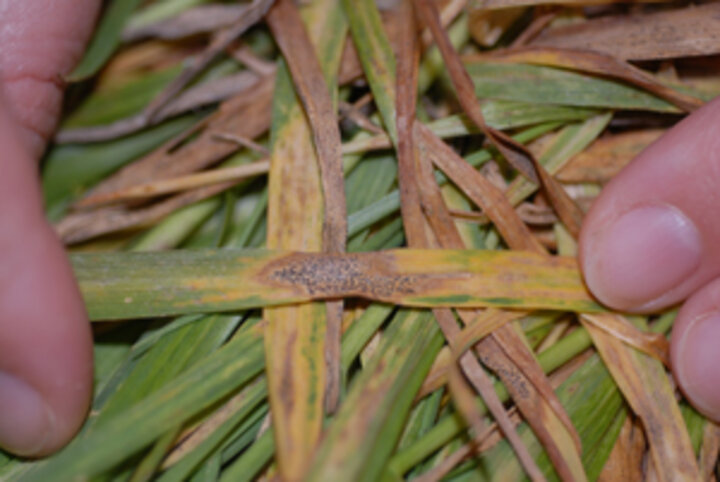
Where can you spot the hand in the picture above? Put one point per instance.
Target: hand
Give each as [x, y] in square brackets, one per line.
[45, 339]
[652, 239]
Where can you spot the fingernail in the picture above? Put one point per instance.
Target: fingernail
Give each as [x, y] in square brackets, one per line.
[26, 423]
[697, 362]
[643, 254]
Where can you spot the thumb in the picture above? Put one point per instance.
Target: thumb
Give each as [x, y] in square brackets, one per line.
[652, 239]
[45, 342]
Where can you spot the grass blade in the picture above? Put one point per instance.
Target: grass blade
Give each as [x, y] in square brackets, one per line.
[310, 78]
[105, 40]
[378, 403]
[647, 389]
[200, 387]
[301, 171]
[139, 285]
[600, 64]
[531, 83]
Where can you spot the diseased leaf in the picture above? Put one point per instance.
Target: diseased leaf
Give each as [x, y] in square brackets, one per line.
[319, 106]
[306, 211]
[139, 285]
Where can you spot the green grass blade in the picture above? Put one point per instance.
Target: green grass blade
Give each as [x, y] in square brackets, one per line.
[105, 40]
[200, 387]
[69, 169]
[378, 403]
[570, 141]
[250, 463]
[253, 396]
[117, 102]
[376, 56]
[546, 85]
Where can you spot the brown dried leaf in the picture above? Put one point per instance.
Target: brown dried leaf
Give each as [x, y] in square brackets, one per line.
[653, 344]
[504, 350]
[207, 93]
[500, 4]
[567, 210]
[607, 156]
[642, 381]
[515, 153]
[198, 20]
[221, 40]
[476, 328]
[709, 450]
[541, 20]
[157, 109]
[181, 183]
[210, 92]
[626, 459]
[405, 104]
[83, 225]
[560, 442]
[246, 115]
[465, 399]
[481, 191]
[683, 32]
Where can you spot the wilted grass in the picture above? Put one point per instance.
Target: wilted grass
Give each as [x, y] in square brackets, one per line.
[361, 262]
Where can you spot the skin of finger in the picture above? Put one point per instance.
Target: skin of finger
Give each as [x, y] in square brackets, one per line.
[45, 338]
[681, 169]
[703, 303]
[42, 41]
